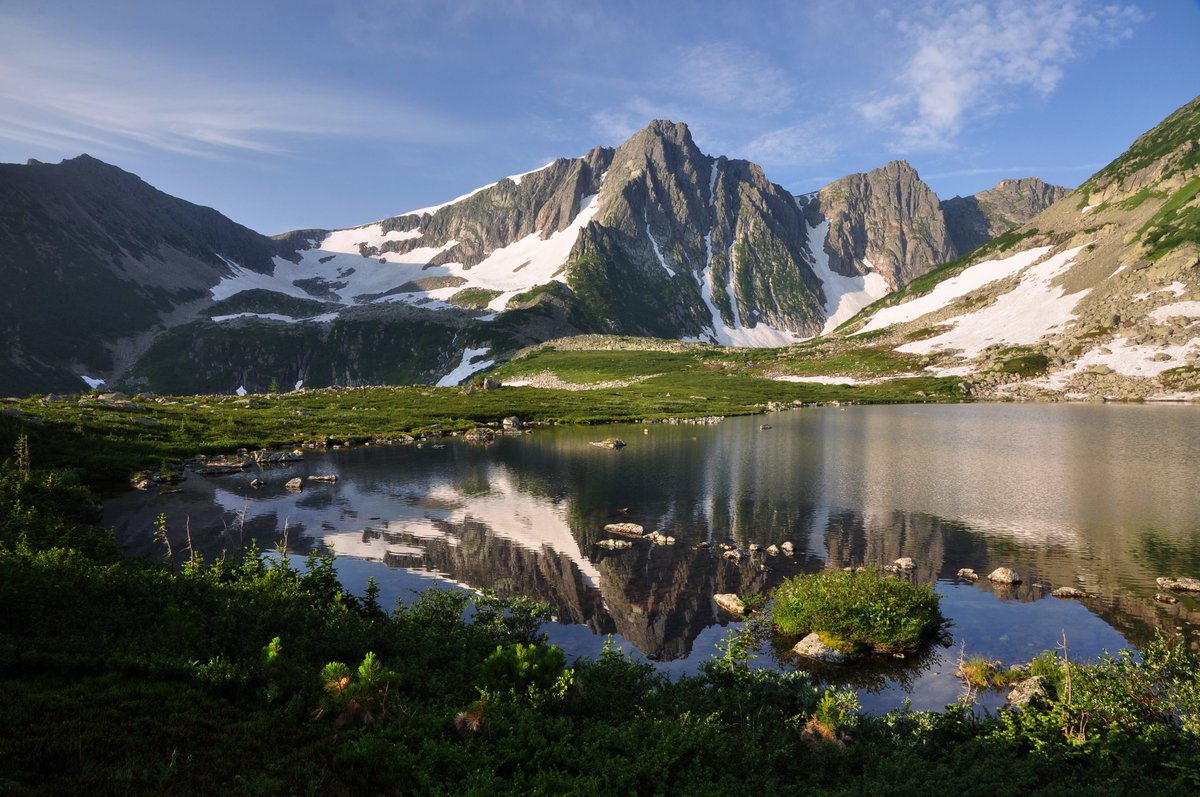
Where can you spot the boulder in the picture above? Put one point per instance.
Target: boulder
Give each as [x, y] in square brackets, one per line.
[730, 603]
[480, 434]
[294, 485]
[612, 442]
[511, 422]
[787, 548]
[323, 477]
[811, 647]
[660, 538]
[1004, 575]
[967, 574]
[905, 563]
[773, 550]
[733, 555]
[1028, 691]
[1068, 592]
[626, 529]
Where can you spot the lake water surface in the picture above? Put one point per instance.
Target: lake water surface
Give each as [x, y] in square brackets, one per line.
[1103, 498]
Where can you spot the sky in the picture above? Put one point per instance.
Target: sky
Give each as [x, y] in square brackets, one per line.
[334, 113]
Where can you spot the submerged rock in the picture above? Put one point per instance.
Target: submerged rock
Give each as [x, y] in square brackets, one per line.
[295, 485]
[1179, 584]
[612, 443]
[323, 477]
[660, 538]
[1068, 592]
[615, 545]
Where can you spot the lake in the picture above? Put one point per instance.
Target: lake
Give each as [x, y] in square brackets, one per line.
[1104, 498]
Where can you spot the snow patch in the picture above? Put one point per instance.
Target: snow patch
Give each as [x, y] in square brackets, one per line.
[1176, 288]
[844, 296]
[264, 316]
[299, 384]
[466, 367]
[654, 244]
[955, 287]
[1033, 309]
[241, 391]
[1185, 309]
[92, 383]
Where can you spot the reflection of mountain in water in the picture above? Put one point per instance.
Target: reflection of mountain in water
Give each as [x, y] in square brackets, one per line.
[950, 487]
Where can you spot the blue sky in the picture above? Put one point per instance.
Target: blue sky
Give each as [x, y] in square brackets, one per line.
[318, 113]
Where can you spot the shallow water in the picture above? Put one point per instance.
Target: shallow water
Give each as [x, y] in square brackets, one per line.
[1104, 498]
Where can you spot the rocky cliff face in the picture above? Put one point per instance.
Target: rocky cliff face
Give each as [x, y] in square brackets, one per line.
[887, 218]
[973, 221]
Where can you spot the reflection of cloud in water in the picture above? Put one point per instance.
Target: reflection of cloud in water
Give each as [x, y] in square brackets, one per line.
[527, 520]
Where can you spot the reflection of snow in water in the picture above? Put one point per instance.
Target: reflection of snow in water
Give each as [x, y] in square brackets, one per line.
[527, 520]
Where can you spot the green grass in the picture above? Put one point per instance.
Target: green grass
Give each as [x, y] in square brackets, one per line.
[1026, 365]
[857, 611]
[474, 298]
[1176, 223]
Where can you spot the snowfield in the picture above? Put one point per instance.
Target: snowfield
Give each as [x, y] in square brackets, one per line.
[1032, 310]
[844, 296]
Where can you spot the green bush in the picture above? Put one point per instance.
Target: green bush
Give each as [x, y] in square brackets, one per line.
[858, 611]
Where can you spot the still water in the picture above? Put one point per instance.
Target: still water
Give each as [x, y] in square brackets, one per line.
[1102, 498]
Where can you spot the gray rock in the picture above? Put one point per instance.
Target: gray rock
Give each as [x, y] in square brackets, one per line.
[787, 548]
[1034, 689]
[323, 477]
[1068, 592]
[905, 563]
[659, 538]
[511, 422]
[811, 647]
[733, 555]
[967, 574]
[611, 442]
[294, 485]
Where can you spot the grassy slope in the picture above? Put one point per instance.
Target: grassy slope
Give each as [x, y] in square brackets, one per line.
[109, 441]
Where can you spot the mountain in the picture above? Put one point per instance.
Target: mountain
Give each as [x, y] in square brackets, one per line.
[973, 221]
[94, 259]
[650, 238]
[1096, 297]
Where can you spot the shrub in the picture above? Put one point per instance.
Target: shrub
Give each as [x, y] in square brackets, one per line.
[855, 611]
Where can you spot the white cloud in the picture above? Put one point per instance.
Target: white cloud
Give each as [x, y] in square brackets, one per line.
[973, 60]
[62, 91]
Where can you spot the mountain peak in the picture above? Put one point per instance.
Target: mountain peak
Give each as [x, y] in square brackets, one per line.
[675, 132]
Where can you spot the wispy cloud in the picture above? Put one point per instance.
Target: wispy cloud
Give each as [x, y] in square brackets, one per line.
[70, 93]
[1011, 171]
[808, 142]
[968, 61]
